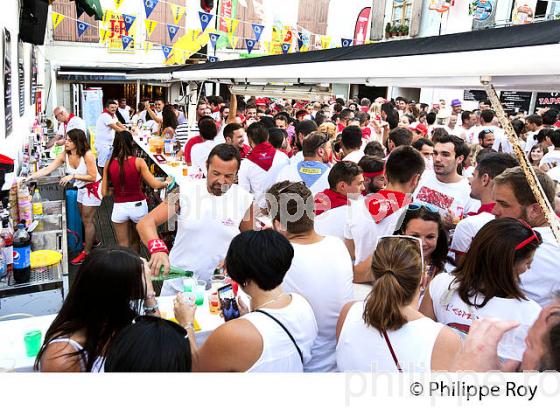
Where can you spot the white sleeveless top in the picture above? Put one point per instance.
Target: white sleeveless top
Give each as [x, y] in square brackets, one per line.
[363, 348]
[279, 353]
[99, 363]
[206, 225]
[80, 170]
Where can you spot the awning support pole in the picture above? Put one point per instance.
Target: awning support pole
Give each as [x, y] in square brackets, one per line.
[530, 174]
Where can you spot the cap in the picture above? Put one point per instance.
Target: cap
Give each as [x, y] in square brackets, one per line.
[261, 101]
[420, 128]
[456, 102]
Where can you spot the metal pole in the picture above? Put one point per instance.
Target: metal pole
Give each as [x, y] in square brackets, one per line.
[137, 94]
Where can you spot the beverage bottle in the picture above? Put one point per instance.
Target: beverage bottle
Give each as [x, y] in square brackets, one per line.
[22, 255]
[24, 205]
[7, 235]
[3, 270]
[37, 202]
[174, 273]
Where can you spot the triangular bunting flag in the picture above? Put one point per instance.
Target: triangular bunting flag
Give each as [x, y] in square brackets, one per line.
[56, 19]
[285, 48]
[117, 4]
[287, 36]
[149, 6]
[177, 12]
[299, 41]
[325, 42]
[150, 26]
[147, 46]
[79, 10]
[103, 35]
[128, 21]
[81, 26]
[250, 44]
[172, 30]
[166, 51]
[345, 42]
[126, 40]
[232, 27]
[204, 19]
[258, 29]
[214, 39]
[212, 59]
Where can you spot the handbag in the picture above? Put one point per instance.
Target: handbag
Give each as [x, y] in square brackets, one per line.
[393, 354]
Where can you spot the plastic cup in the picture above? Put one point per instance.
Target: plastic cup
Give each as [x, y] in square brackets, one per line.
[188, 285]
[32, 340]
[159, 149]
[185, 171]
[214, 303]
[199, 292]
[218, 281]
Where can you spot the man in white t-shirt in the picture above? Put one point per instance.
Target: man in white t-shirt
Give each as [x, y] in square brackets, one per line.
[465, 131]
[66, 122]
[534, 124]
[321, 269]
[260, 168]
[443, 187]
[351, 144]
[199, 152]
[501, 143]
[105, 128]
[124, 110]
[552, 157]
[514, 199]
[210, 213]
[314, 169]
[482, 186]
[302, 130]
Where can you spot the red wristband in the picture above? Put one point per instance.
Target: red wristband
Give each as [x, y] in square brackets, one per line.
[157, 245]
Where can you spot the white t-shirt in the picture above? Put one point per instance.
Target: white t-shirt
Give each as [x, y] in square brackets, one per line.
[125, 112]
[454, 195]
[542, 278]
[256, 180]
[200, 152]
[332, 222]
[550, 157]
[104, 134]
[279, 352]
[296, 159]
[322, 273]
[73, 123]
[554, 173]
[531, 141]
[450, 309]
[206, 225]
[362, 229]
[467, 135]
[354, 156]
[290, 173]
[363, 348]
[466, 230]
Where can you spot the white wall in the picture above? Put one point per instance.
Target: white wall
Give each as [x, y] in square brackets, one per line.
[342, 17]
[21, 126]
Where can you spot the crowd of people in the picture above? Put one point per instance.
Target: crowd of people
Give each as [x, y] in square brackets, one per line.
[384, 236]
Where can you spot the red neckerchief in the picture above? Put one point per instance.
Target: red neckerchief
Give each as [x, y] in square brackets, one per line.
[244, 151]
[483, 208]
[384, 203]
[107, 112]
[289, 154]
[327, 200]
[66, 123]
[366, 132]
[262, 155]
[340, 127]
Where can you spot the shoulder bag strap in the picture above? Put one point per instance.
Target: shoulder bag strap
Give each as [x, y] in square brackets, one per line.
[390, 346]
[285, 330]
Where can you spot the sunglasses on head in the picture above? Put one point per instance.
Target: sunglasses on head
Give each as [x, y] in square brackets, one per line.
[531, 238]
[416, 206]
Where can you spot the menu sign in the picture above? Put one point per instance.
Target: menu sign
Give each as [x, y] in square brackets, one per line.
[21, 80]
[550, 100]
[8, 81]
[475, 95]
[515, 100]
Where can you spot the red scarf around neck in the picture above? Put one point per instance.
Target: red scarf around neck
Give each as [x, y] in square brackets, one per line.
[329, 199]
[107, 112]
[70, 116]
[384, 203]
[262, 155]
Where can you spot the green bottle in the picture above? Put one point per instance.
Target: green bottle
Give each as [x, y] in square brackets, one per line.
[174, 273]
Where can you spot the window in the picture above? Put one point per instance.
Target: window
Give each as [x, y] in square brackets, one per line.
[402, 13]
[66, 30]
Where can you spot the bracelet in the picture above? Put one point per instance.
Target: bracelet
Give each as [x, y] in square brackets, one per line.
[151, 295]
[150, 310]
[189, 326]
[157, 245]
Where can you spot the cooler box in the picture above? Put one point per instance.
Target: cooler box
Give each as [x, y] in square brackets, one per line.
[73, 221]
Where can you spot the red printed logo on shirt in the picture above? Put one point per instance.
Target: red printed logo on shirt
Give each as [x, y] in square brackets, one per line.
[228, 222]
[436, 198]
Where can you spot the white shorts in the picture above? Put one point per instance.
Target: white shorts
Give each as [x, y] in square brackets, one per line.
[87, 199]
[129, 211]
[103, 154]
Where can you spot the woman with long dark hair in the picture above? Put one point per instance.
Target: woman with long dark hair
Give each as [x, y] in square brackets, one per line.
[423, 221]
[169, 122]
[82, 170]
[486, 283]
[126, 173]
[107, 294]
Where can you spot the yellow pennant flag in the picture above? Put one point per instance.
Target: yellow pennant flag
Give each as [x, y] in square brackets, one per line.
[103, 35]
[325, 42]
[148, 46]
[118, 4]
[232, 27]
[177, 11]
[150, 26]
[266, 47]
[56, 19]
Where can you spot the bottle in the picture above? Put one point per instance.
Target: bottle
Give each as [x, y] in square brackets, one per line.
[22, 255]
[7, 235]
[174, 273]
[3, 270]
[168, 146]
[37, 202]
[24, 205]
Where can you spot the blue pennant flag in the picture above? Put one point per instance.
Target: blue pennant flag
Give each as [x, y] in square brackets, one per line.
[126, 40]
[299, 41]
[204, 19]
[212, 59]
[285, 48]
[166, 51]
[128, 21]
[258, 29]
[250, 44]
[214, 39]
[172, 30]
[81, 27]
[149, 6]
[346, 42]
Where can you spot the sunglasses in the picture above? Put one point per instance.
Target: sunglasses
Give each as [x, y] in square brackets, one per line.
[416, 206]
[530, 239]
[324, 139]
[146, 318]
[408, 238]
[290, 185]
